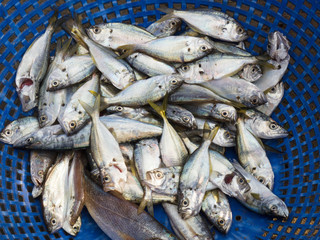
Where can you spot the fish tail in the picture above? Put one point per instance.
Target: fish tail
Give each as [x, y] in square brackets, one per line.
[94, 111]
[161, 110]
[75, 29]
[209, 135]
[168, 11]
[53, 20]
[146, 202]
[126, 50]
[62, 49]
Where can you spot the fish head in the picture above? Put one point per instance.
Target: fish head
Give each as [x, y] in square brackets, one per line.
[251, 72]
[233, 31]
[170, 26]
[53, 216]
[203, 47]
[188, 71]
[173, 82]
[236, 183]
[132, 57]
[69, 124]
[114, 177]
[28, 94]
[73, 230]
[224, 112]
[221, 216]
[253, 96]
[156, 178]
[47, 117]
[274, 206]
[99, 33]
[276, 92]
[189, 203]
[225, 138]
[278, 46]
[264, 176]
[57, 79]
[10, 134]
[25, 141]
[115, 109]
[127, 78]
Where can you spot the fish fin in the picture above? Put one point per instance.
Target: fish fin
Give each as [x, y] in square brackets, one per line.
[161, 110]
[75, 29]
[53, 20]
[267, 64]
[256, 196]
[59, 132]
[209, 136]
[149, 201]
[94, 111]
[94, 93]
[272, 149]
[168, 11]
[142, 206]
[62, 49]
[126, 50]
[217, 148]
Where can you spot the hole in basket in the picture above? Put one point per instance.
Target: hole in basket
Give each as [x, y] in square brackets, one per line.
[238, 218]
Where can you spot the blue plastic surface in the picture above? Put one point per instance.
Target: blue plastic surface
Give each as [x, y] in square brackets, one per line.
[296, 172]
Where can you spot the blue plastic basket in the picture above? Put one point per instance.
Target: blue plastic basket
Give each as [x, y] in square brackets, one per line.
[297, 171]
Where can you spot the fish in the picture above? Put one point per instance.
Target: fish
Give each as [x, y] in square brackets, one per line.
[50, 103]
[74, 117]
[263, 126]
[237, 90]
[278, 51]
[40, 162]
[33, 67]
[179, 49]
[194, 228]
[172, 149]
[252, 155]
[216, 207]
[118, 218]
[54, 194]
[149, 65]
[105, 150]
[274, 96]
[209, 22]
[53, 137]
[194, 177]
[228, 48]
[117, 71]
[164, 28]
[19, 128]
[251, 72]
[260, 199]
[139, 93]
[114, 35]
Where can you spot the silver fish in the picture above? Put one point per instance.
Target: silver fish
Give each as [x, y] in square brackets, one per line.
[105, 151]
[74, 116]
[194, 228]
[164, 28]
[252, 155]
[33, 67]
[263, 126]
[251, 72]
[114, 35]
[228, 48]
[19, 128]
[149, 65]
[278, 46]
[40, 162]
[216, 207]
[192, 185]
[274, 96]
[171, 49]
[53, 137]
[210, 22]
[260, 199]
[139, 93]
[237, 90]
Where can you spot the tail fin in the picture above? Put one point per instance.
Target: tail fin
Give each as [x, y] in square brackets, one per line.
[61, 51]
[126, 50]
[212, 134]
[94, 111]
[168, 11]
[146, 202]
[161, 110]
[53, 20]
[75, 29]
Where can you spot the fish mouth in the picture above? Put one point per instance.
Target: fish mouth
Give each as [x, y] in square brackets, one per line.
[3, 138]
[26, 82]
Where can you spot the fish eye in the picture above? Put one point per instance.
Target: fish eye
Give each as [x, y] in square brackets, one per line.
[185, 202]
[76, 228]
[273, 126]
[72, 124]
[241, 181]
[159, 175]
[221, 222]
[254, 100]
[173, 23]
[8, 132]
[96, 30]
[55, 83]
[185, 68]
[261, 179]
[119, 109]
[274, 208]
[43, 118]
[40, 172]
[53, 221]
[106, 179]
[29, 140]
[204, 48]
[253, 70]
[224, 113]
[174, 81]
[186, 119]
[272, 90]
[227, 134]
[269, 46]
[240, 30]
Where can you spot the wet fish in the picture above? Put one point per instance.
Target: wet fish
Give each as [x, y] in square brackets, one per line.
[149, 65]
[126, 224]
[210, 22]
[33, 67]
[114, 35]
[228, 48]
[19, 128]
[40, 162]
[105, 151]
[164, 28]
[194, 178]
[252, 155]
[260, 199]
[274, 96]
[251, 72]
[216, 207]
[263, 126]
[171, 49]
[74, 117]
[278, 46]
[189, 229]
[237, 90]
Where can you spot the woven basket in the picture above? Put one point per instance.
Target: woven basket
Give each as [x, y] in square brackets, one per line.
[296, 171]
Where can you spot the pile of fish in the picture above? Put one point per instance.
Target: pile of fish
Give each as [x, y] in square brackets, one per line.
[128, 116]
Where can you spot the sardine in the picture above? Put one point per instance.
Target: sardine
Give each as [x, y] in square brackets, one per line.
[164, 28]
